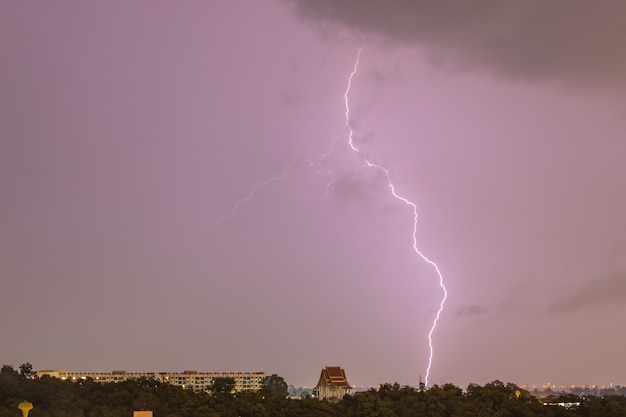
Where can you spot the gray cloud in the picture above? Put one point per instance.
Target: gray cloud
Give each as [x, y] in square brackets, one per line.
[352, 189]
[472, 310]
[361, 189]
[610, 288]
[579, 43]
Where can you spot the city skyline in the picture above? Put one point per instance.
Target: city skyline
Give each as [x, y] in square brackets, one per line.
[182, 377]
[179, 190]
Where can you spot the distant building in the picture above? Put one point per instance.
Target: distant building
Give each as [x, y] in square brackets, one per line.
[54, 373]
[200, 381]
[244, 381]
[333, 384]
[114, 376]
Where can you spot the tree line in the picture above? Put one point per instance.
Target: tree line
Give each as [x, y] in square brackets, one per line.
[53, 397]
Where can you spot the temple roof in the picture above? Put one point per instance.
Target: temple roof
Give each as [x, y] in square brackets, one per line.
[333, 376]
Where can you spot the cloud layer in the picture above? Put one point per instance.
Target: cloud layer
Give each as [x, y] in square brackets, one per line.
[607, 289]
[577, 43]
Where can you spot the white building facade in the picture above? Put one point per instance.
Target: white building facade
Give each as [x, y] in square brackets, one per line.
[200, 381]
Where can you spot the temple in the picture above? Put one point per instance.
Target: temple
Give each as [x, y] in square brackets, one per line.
[333, 384]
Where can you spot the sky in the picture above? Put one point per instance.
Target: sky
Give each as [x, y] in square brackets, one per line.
[178, 192]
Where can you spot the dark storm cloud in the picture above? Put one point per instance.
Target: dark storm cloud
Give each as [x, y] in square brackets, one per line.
[472, 311]
[577, 42]
[362, 190]
[352, 189]
[610, 288]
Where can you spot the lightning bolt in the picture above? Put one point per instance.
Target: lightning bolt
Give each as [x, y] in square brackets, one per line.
[244, 200]
[312, 164]
[330, 173]
[251, 195]
[404, 200]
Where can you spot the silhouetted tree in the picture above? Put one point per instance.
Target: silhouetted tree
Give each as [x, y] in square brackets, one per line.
[223, 385]
[8, 370]
[26, 371]
[274, 385]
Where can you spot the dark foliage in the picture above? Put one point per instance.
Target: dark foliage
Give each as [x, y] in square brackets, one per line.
[53, 397]
[274, 385]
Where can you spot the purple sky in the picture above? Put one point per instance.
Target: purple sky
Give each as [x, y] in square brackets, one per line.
[128, 128]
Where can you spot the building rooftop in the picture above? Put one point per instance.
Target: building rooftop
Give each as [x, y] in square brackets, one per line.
[333, 376]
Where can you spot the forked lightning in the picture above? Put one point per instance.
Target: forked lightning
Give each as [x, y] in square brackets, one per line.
[392, 189]
[406, 201]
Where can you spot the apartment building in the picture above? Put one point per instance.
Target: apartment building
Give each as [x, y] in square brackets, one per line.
[244, 381]
[201, 381]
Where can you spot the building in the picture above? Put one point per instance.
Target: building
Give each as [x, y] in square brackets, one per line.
[54, 373]
[244, 381]
[200, 381]
[333, 384]
[114, 376]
